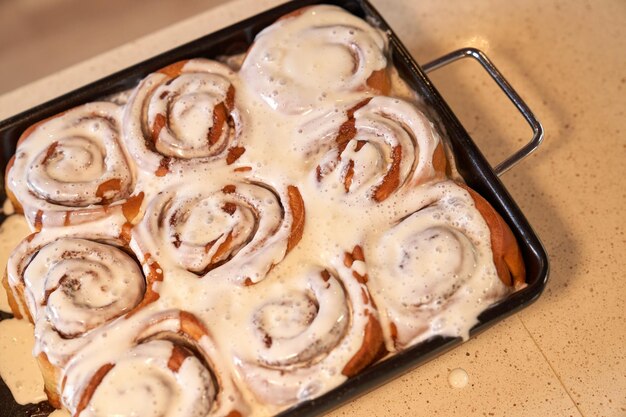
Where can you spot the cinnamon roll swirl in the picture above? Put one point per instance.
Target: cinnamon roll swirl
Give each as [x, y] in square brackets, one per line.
[202, 228]
[314, 55]
[162, 364]
[182, 113]
[307, 334]
[381, 145]
[68, 286]
[70, 168]
[435, 268]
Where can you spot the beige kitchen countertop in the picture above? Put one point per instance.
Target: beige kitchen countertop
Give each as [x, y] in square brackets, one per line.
[565, 354]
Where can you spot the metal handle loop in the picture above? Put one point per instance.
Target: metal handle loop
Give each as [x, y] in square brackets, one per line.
[479, 56]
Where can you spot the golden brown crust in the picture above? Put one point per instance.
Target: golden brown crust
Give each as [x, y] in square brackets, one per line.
[347, 131]
[69, 214]
[296, 205]
[132, 206]
[16, 204]
[380, 82]
[373, 347]
[506, 253]
[356, 255]
[15, 292]
[234, 153]
[179, 354]
[391, 181]
[174, 70]
[95, 381]
[51, 377]
[155, 274]
[191, 326]
[13, 304]
[440, 162]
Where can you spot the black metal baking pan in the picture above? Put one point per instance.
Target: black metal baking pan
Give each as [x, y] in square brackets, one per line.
[470, 163]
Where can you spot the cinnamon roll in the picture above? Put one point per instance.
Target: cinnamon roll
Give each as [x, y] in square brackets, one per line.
[182, 114]
[68, 286]
[162, 364]
[70, 168]
[440, 265]
[379, 146]
[306, 334]
[315, 55]
[204, 228]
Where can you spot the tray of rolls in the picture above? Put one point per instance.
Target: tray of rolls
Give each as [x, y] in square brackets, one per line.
[270, 220]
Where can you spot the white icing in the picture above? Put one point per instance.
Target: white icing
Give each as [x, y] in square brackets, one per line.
[302, 331]
[139, 348]
[62, 163]
[18, 369]
[458, 378]
[198, 226]
[321, 55]
[211, 224]
[391, 135]
[143, 373]
[432, 272]
[186, 101]
[80, 284]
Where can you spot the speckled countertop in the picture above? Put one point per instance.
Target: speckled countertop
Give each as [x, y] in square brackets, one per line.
[564, 355]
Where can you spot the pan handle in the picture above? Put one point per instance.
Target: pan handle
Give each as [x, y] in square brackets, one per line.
[479, 56]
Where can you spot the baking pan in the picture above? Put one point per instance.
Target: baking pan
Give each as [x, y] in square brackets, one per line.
[470, 163]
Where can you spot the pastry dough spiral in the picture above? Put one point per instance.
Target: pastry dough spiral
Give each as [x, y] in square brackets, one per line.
[308, 333]
[381, 145]
[434, 269]
[164, 365]
[69, 285]
[199, 227]
[70, 168]
[350, 57]
[183, 114]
